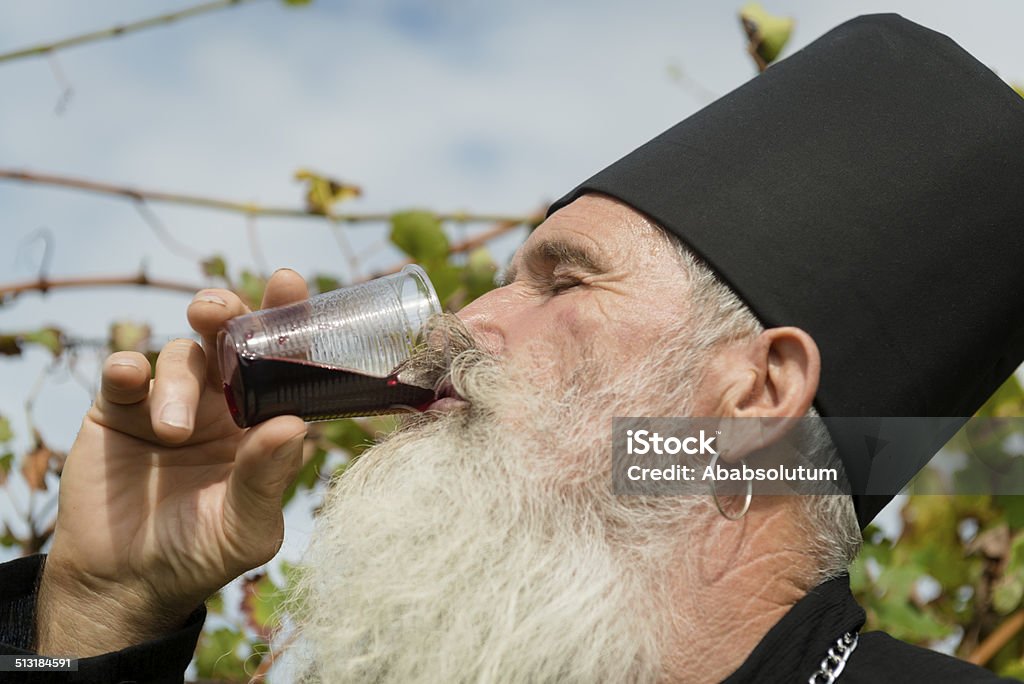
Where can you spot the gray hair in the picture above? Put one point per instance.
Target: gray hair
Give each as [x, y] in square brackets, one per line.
[832, 531]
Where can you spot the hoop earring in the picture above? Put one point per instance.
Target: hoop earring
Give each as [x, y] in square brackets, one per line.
[718, 504]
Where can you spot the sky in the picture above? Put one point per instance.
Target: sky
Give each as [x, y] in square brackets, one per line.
[453, 104]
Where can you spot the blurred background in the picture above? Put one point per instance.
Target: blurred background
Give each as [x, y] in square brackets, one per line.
[339, 139]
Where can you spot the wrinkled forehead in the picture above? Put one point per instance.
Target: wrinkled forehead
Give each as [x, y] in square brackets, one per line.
[601, 234]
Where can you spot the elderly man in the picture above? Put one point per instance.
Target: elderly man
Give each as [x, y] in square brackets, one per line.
[832, 236]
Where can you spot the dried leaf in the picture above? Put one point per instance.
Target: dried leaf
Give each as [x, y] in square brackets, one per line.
[323, 192]
[35, 466]
[993, 543]
[767, 33]
[129, 336]
[10, 345]
[261, 604]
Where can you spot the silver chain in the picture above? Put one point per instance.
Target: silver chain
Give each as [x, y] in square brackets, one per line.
[835, 660]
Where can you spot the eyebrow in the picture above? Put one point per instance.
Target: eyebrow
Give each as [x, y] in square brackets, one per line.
[560, 252]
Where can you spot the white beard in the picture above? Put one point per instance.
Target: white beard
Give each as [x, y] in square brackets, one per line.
[485, 546]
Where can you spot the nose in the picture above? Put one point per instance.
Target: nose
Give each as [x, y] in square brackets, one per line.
[486, 318]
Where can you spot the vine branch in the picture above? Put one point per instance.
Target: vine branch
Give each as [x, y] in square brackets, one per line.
[44, 285]
[246, 208]
[997, 639]
[117, 30]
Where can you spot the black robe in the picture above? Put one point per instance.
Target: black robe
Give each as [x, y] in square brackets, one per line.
[790, 652]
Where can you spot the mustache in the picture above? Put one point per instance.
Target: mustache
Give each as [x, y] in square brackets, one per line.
[447, 347]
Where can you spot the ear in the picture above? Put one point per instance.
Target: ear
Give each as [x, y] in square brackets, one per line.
[774, 377]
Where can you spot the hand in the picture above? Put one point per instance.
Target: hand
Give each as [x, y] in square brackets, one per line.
[163, 499]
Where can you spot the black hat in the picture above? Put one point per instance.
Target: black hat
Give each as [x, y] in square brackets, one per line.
[869, 189]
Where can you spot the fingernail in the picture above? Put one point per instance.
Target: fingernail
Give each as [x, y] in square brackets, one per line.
[129, 364]
[209, 297]
[287, 450]
[176, 414]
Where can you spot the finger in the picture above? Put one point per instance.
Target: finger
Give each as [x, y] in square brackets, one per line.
[284, 287]
[180, 376]
[125, 378]
[207, 314]
[267, 459]
[123, 400]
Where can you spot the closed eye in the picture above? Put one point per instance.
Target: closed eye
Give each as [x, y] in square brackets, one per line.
[560, 285]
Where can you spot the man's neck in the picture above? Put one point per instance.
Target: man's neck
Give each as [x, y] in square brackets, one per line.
[744, 577]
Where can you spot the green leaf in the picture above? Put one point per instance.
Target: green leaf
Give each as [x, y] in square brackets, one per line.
[446, 278]
[6, 434]
[297, 3]
[215, 604]
[1008, 400]
[1007, 593]
[7, 540]
[1014, 669]
[308, 475]
[420, 235]
[325, 283]
[51, 338]
[251, 289]
[217, 656]
[479, 273]
[1016, 559]
[1014, 507]
[898, 582]
[348, 435]
[215, 267]
[903, 621]
[860, 580]
[6, 461]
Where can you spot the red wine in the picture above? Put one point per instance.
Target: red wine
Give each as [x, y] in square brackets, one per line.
[257, 390]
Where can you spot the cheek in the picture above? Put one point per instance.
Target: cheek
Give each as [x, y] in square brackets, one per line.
[553, 340]
[569, 321]
[552, 329]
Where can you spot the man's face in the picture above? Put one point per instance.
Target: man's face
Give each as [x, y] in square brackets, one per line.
[483, 541]
[595, 283]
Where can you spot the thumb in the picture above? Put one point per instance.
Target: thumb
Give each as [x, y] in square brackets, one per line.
[267, 459]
